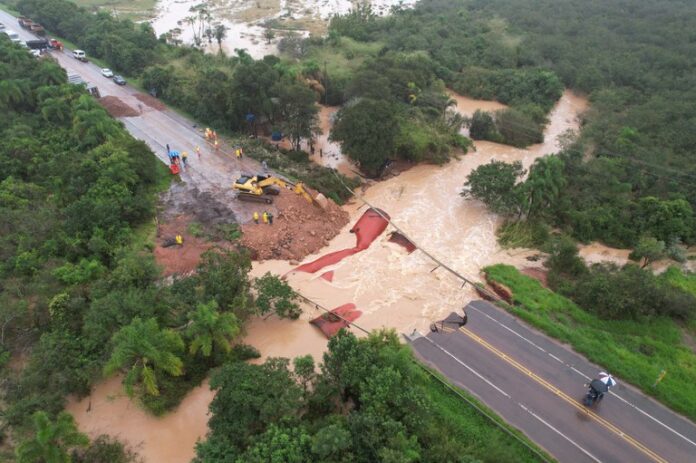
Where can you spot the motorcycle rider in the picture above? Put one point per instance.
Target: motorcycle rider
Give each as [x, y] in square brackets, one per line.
[598, 387]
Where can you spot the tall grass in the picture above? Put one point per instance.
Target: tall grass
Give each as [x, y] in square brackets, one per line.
[635, 351]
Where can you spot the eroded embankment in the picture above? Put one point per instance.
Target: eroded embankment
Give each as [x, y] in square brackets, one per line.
[390, 286]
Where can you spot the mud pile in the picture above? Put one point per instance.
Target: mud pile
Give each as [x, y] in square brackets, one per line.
[298, 228]
[151, 101]
[179, 260]
[116, 107]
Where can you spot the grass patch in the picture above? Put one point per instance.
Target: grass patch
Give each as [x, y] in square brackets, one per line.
[462, 422]
[343, 58]
[684, 281]
[636, 351]
[126, 9]
[523, 234]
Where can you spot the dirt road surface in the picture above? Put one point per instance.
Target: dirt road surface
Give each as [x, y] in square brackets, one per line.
[536, 385]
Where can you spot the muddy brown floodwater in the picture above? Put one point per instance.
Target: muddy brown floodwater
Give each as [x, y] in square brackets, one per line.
[391, 287]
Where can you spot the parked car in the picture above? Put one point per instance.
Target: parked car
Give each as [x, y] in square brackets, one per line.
[106, 72]
[119, 80]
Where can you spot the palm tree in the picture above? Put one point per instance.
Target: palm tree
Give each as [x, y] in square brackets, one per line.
[220, 34]
[144, 349]
[51, 441]
[91, 124]
[208, 327]
[55, 110]
[13, 92]
[51, 74]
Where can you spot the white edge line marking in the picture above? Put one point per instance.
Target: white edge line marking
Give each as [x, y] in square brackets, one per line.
[478, 375]
[587, 377]
[548, 425]
[524, 407]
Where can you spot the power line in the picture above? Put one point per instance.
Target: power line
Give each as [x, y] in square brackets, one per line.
[503, 426]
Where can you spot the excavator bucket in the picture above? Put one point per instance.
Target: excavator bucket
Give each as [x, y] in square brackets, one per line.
[302, 191]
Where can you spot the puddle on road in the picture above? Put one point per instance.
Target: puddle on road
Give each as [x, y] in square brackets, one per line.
[391, 287]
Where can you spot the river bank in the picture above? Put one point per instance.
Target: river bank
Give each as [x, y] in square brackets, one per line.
[391, 287]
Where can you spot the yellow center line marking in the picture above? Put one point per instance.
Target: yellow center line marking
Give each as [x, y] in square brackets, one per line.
[641, 447]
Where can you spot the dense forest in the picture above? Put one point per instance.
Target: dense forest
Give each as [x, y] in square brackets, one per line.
[79, 289]
[368, 402]
[80, 297]
[635, 154]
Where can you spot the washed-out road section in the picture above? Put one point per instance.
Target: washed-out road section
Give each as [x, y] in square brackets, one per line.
[537, 385]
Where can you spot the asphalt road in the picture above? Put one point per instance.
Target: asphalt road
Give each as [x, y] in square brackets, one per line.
[213, 173]
[530, 380]
[536, 384]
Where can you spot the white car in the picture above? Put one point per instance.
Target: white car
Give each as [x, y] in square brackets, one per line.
[106, 72]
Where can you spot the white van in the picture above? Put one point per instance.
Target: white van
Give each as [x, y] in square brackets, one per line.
[79, 54]
[13, 36]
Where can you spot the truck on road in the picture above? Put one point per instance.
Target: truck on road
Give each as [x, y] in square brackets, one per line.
[41, 44]
[76, 79]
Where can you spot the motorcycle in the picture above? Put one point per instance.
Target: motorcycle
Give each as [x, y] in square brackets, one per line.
[595, 392]
[597, 388]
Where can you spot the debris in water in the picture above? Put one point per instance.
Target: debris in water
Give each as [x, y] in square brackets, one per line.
[367, 229]
[330, 324]
[401, 240]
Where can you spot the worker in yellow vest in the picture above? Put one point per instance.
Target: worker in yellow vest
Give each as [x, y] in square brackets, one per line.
[179, 240]
[256, 217]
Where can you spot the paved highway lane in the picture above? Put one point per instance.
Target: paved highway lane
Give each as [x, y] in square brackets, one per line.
[536, 384]
[213, 173]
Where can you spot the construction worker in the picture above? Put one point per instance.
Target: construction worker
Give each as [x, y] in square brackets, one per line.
[256, 217]
[184, 159]
[265, 217]
[207, 133]
[241, 152]
[198, 152]
[237, 153]
[217, 145]
[270, 219]
[264, 164]
[179, 240]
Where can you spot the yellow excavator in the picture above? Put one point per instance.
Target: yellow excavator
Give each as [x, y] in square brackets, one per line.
[259, 188]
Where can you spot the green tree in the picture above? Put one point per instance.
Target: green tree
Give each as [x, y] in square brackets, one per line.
[250, 398]
[220, 32]
[224, 276]
[52, 440]
[482, 127]
[279, 444]
[269, 35]
[304, 370]
[144, 350]
[208, 328]
[648, 250]
[275, 295]
[367, 131]
[495, 184]
[298, 111]
[544, 185]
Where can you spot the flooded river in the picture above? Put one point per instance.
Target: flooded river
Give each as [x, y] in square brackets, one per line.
[392, 288]
[246, 20]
